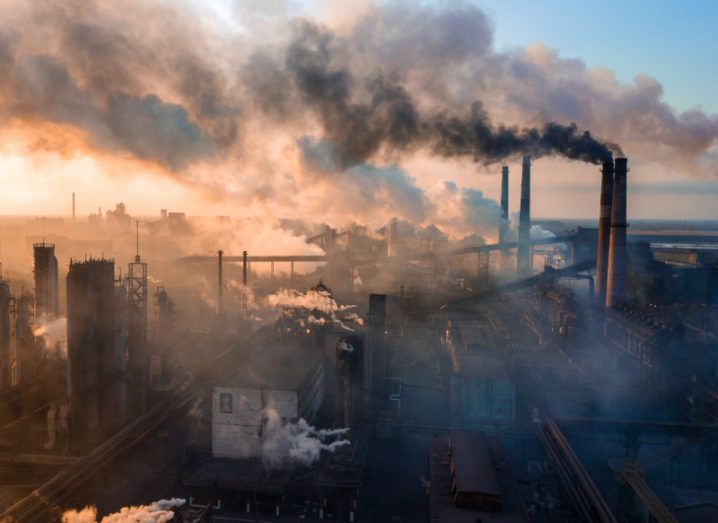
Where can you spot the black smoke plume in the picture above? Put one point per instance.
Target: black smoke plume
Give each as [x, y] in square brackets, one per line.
[391, 121]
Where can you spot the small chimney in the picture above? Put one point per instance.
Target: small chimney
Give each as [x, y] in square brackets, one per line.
[604, 229]
[392, 233]
[220, 284]
[503, 228]
[524, 255]
[616, 278]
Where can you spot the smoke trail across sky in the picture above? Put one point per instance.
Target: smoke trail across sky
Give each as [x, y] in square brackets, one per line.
[243, 114]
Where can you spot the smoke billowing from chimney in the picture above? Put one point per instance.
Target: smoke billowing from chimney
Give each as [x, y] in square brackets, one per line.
[219, 109]
[391, 119]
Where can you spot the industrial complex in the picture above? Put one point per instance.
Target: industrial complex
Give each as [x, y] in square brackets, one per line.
[564, 372]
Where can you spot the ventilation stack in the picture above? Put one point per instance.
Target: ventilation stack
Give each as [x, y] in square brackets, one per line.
[616, 278]
[503, 228]
[47, 299]
[524, 253]
[604, 229]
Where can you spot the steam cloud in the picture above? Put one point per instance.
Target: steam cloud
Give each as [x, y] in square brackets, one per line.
[286, 443]
[226, 110]
[315, 300]
[53, 334]
[157, 512]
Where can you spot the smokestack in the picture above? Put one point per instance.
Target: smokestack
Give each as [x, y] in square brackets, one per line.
[220, 284]
[616, 278]
[524, 256]
[391, 237]
[244, 280]
[244, 268]
[604, 229]
[73, 207]
[503, 228]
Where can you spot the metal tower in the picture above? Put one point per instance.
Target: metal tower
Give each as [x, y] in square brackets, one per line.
[137, 314]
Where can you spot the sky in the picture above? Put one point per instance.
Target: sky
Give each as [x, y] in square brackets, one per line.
[668, 41]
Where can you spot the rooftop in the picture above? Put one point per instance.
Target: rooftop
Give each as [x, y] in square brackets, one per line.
[279, 366]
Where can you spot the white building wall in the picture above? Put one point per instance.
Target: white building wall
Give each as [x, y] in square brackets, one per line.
[239, 434]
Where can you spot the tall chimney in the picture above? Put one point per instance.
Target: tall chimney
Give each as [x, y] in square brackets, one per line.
[73, 207]
[244, 268]
[244, 280]
[391, 237]
[524, 256]
[604, 229]
[220, 284]
[616, 279]
[503, 228]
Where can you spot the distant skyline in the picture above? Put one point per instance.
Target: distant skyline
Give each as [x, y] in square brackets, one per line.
[43, 160]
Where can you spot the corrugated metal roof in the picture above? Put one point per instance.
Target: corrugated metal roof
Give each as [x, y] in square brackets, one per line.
[473, 468]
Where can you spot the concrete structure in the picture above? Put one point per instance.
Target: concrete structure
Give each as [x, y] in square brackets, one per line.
[93, 354]
[287, 378]
[604, 230]
[503, 228]
[524, 250]
[47, 298]
[616, 277]
[5, 348]
[25, 356]
[349, 380]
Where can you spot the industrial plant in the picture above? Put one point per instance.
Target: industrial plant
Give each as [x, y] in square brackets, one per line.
[562, 376]
[366, 261]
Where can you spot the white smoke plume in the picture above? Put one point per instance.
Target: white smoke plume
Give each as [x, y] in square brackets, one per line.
[53, 333]
[310, 300]
[315, 300]
[157, 512]
[287, 443]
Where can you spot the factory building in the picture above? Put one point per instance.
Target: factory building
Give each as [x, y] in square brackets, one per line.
[480, 386]
[47, 298]
[287, 378]
[95, 373]
[647, 341]
[555, 306]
